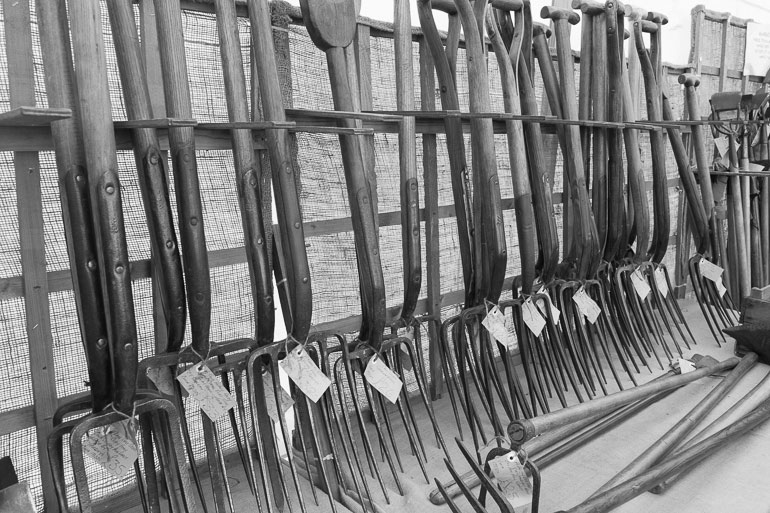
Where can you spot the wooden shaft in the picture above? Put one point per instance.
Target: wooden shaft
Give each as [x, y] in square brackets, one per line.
[586, 94]
[746, 200]
[520, 431]
[687, 459]
[676, 434]
[598, 93]
[99, 142]
[765, 227]
[748, 403]
[738, 236]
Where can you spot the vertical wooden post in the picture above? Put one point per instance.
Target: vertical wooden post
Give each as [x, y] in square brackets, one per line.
[723, 54]
[432, 248]
[32, 240]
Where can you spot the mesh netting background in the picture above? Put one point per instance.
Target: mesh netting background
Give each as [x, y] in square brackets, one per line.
[334, 273]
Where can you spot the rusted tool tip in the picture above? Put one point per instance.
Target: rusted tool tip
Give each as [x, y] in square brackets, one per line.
[559, 13]
[689, 79]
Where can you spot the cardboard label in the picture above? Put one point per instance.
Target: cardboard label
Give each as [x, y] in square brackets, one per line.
[685, 366]
[272, 401]
[586, 305]
[162, 379]
[494, 322]
[532, 317]
[541, 304]
[113, 448]
[712, 272]
[660, 281]
[384, 380]
[304, 373]
[513, 481]
[207, 390]
[640, 284]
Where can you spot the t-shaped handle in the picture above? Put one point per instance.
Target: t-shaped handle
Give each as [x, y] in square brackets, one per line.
[689, 79]
[589, 7]
[656, 17]
[540, 28]
[559, 13]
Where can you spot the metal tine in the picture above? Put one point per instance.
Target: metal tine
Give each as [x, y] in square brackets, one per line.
[530, 366]
[467, 492]
[570, 319]
[656, 310]
[487, 485]
[449, 501]
[664, 307]
[673, 306]
[704, 301]
[625, 290]
[451, 378]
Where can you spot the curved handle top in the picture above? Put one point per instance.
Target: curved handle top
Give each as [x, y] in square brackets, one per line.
[689, 79]
[559, 13]
[508, 5]
[541, 29]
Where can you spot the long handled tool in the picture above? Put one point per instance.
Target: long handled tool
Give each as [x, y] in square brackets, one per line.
[112, 255]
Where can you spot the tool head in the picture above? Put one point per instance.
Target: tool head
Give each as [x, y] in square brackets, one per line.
[508, 5]
[560, 13]
[447, 6]
[330, 23]
[689, 79]
[541, 29]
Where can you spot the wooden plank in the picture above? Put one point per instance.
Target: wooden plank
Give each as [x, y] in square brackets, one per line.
[431, 215]
[723, 54]
[16, 420]
[32, 116]
[29, 200]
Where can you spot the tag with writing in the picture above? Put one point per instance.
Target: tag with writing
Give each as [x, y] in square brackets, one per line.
[495, 443]
[661, 282]
[555, 312]
[207, 390]
[640, 284]
[162, 379]
[532, 317]
[513, 481]
[710, 271]
[685, 366]
[494, 322]
[305, 374]
[383, 379]
[113, 447]
[271, 401]
[586, 305]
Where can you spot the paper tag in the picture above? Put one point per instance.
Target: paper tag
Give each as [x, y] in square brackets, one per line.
[640, 284]
[162, 379]
[685, 366]
[532, 317]
[721, 289]
[208, 391]
[586, 305]
[304, 373]
[722, 145]
[710, 271]
[513, 481]
[113, 447]
[555, 312]
[495, 443]
[383, 379]
[661, 282]
[270, 399]
[494, 322]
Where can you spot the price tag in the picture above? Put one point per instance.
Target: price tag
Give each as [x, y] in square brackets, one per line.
[113, 447]
[162, 379]
[710, 271]
[494, 322]
[204, 387]
[586, 305]
[532, 317]
[555, 312]
[270, 399]
[304, 373]
[685, 366]
[661, 282]
[640, 284]
[513, 481]
[383, 379]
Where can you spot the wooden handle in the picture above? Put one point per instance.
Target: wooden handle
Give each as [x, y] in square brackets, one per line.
[559, 13]
[447, 6]
[657, 18]
[539, 29]
[689, 79]
[520, 431]
[508, 5]
[589, 7]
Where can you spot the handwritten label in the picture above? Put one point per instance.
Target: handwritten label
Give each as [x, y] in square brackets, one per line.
[757, 59]
[271, 401]
[712, 272]
[305, 374]
[640, 284]
[383, 379]
[555, 312]
[586, 305]
[513, 481]
[660, 281]
[532, 317]
[113, 447]
[162, 378]
[494, 322]
[206, 390]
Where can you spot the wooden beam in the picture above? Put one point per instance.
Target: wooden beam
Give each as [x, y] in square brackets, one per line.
[21, 76]
[32, 116]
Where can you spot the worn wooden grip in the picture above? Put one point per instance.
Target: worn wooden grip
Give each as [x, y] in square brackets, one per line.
[330, 23]
[559, 13]
[447, 6]
[590, 7]
[508, 5]
[540, 28]
[648, 26]
[658, 18]
[689, 79]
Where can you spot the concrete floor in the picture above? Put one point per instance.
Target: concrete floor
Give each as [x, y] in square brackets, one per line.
[733, 480]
